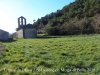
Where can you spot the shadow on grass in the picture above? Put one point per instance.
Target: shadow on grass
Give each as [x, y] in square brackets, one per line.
[60, 36]
[9, 40]
[48, 37]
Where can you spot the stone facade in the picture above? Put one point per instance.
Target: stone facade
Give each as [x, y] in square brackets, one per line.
[4, 35]
[25, 30]
[30, 33]
[19, 33]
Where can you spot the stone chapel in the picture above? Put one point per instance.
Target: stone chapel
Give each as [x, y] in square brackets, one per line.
[25, 30]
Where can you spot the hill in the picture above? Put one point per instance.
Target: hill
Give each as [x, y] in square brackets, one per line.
[79, 17]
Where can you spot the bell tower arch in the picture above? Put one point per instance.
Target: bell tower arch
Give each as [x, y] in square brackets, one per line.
[21, 21]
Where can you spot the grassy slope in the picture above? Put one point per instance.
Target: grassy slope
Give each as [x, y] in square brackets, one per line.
[52, 56]
[2, 52]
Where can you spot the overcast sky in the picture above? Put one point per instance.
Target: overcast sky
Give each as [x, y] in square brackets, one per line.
[10, 10]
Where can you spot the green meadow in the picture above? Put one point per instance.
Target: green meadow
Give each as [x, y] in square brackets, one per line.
[54, 55]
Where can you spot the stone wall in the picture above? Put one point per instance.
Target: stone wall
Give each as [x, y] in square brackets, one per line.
[20, 33]
[4, 35]
[27, 33]
[30, 33]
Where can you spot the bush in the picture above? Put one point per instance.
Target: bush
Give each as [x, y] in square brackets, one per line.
[52, 30]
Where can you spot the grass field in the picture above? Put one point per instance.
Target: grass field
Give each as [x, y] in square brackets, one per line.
[60, 55]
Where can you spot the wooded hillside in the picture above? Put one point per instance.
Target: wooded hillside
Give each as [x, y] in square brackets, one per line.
[79, 17]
